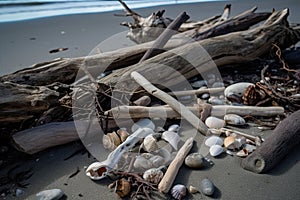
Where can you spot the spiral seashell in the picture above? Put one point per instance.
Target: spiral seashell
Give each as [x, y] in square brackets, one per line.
[213, 122]
[122, 188]
[215, 150]
[207, 187]
[111, 141]
[150, 144]
[172, 138]
[123, 134]
[178, 191]
[212, 140]
[153, 175]
[234, 119]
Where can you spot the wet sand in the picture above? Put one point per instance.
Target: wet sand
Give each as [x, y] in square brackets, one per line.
[27, 42]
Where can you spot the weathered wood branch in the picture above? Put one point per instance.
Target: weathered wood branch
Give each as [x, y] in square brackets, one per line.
[166, 111]
[172, 102]
[285, 137]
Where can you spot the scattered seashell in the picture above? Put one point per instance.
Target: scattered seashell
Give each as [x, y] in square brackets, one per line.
[172, 138]
[123, 134]
[143, 123]
[198, 84]
[217, 84]
[150, 144]
[234, 119]
[214, 131]
[242, 153]
[207, 187]
[250, 148]
[178, 191]
[213, 122]
[122, 187]
[237, 89]
[174, 128]
[212, 140]
[229, 142]
[157, 161]
[229, 152]
[143, 101]
[239, 141]
[50, 194]
[193, 190]
[142, 163]
[215, 150]
[194, 160]
[216, 101]
[111, 141]
[153, 175]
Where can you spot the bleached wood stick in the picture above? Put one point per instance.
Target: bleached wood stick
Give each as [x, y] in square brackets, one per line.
[197, 92]
[170, 175]
[172, 102]
[218, 110]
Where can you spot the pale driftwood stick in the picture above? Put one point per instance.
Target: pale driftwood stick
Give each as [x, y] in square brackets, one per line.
[39, 138]
[170, 175]
[166, 111]
[163, 38]
[197, 92]
[172, 102]
[284, 137]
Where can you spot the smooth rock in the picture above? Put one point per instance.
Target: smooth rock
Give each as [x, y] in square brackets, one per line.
[237, 89]
[207, 187]
[215, 150]
[212, 140]
[213, 122]
[234, 119]
[194, 160]
[53, 194]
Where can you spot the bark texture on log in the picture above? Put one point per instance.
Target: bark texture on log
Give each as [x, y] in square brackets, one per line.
[285, 137]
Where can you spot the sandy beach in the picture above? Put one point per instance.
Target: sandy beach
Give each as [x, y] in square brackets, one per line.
[25, 43]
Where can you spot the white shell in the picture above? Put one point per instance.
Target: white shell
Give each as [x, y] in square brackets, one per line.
[213, 122]
[242, 153]
[178, 191]
[157, 161]
[216, 101]
[237, 89]
[143, 123]
[215, 150]
[142, 163]
[153, 175]
[172, 138]
[229, 142]
[234, 119]
[150, 144]
[50, 194]
[250, 148]
[174, 128]
[212, 140]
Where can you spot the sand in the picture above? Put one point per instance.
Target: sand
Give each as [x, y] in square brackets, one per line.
[27, 42]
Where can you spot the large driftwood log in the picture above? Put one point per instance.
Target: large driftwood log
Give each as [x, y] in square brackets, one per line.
[285, 137]
[64, 70]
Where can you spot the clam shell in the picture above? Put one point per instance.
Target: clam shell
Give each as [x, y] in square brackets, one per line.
[172, 138]
[229, 142]
[150, 144]
[207, 187]
[194, 160]
[215, 150]
[143, 123]
[216, 101]
[234, 119]
[178, 191]
[239, 141]
[174, 128]
[212, 140]
[193, 190]
[213, 122]
[122, 188]
[123, 134]
[111, 141]
[153, 175]
[250, 148]
[242, 153]
[237, 89]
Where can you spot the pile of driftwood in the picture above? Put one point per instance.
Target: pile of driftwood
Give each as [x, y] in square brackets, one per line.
[36, 102]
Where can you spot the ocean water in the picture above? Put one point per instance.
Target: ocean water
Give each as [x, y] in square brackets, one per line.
[15, 10]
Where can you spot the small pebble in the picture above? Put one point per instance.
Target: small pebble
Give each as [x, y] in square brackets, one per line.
[19, 192]
[194, 160]
[207, 187]
[53, 194]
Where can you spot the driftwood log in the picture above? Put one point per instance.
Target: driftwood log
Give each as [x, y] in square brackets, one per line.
[284, 137]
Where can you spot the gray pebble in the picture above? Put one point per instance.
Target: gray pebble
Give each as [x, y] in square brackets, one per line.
[53, 194]
[207, 187]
